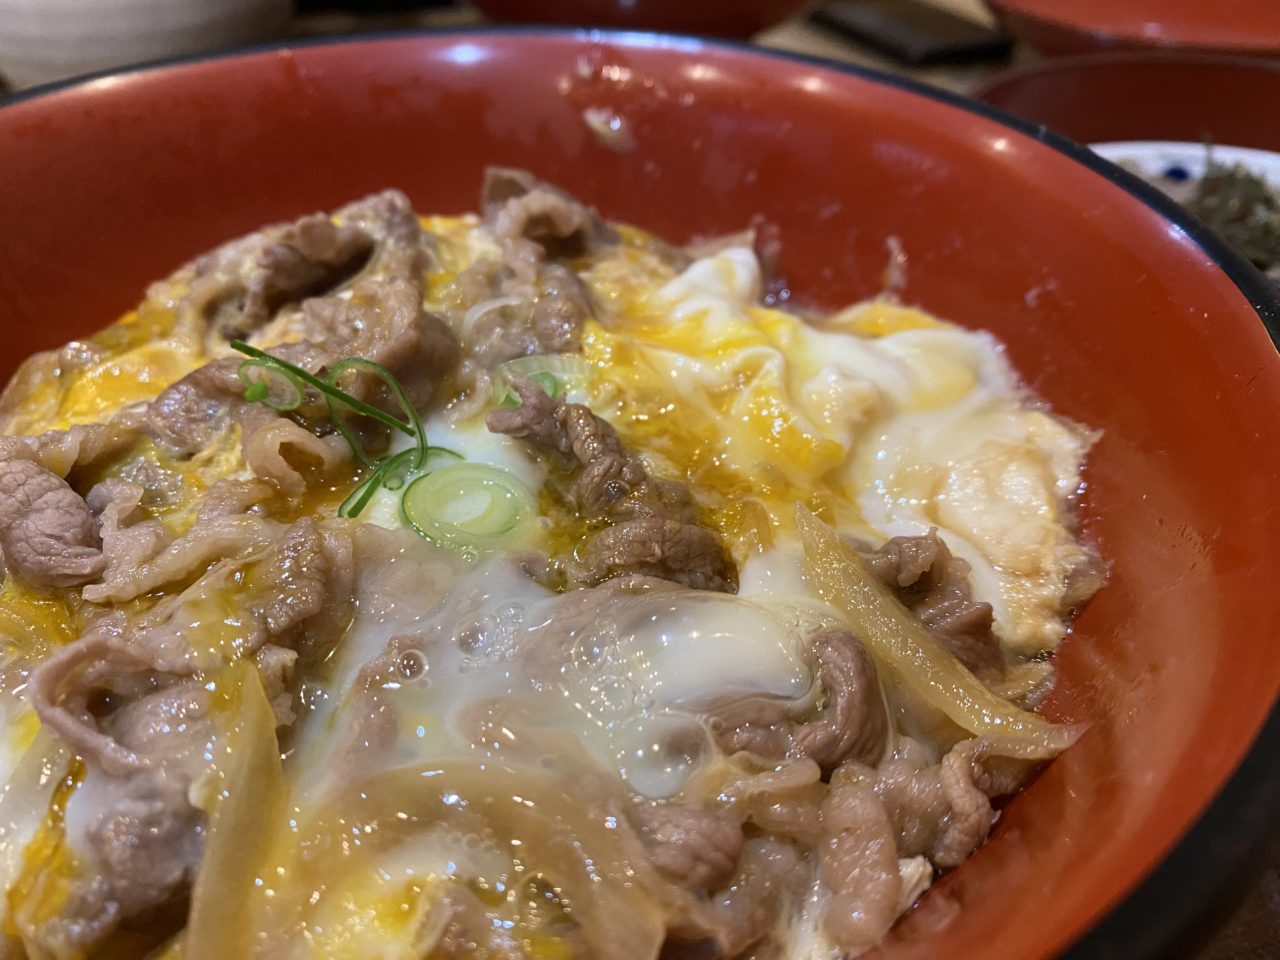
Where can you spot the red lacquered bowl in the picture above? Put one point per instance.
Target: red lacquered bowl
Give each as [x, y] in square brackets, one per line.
[741, 18]
[1056, 27]
[1120, 310]
[1147, 96]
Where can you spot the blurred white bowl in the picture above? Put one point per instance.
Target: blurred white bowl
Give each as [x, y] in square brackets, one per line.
[45, 40]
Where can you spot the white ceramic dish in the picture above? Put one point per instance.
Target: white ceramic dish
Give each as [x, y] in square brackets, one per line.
[1157, 159]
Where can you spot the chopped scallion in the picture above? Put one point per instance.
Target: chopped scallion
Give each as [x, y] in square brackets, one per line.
[554, 373]
[468, 506]
[267, 383]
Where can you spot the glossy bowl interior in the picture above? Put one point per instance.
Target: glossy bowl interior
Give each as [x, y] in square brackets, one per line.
[739, 19]
[1146, 96]
[1117, 316]
[1057, 27]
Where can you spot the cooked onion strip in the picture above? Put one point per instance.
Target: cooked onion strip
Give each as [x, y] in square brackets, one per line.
[248, 804]
[562, 828]
[903, 643]
[476, 311]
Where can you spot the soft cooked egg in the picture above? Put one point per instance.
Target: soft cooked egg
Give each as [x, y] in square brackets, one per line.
[472, 441]
[629, 682]
[885, 416]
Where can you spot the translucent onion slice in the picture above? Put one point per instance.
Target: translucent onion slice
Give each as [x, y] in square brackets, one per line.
[902, 642]
[247, 808]
[559, 829]
[469, 506]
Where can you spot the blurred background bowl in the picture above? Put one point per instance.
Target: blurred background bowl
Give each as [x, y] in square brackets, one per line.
[1118, 308]
[1058, 27]
[46, 40]
[1147, 96]
[737, 19]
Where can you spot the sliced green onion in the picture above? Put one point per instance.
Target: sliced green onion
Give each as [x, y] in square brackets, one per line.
[439, 456]
[395, 468]
[468, 506]
[547, 381]
[555, 373]
[392, 473]
[362, 365]
[328, 389]
[266, 383]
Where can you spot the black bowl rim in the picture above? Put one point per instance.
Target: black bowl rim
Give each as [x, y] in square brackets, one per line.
[1201, 880]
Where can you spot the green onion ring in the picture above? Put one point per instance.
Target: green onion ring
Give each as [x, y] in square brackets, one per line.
[468, 505]
[259, 390]
[328, 389]
[397, 389]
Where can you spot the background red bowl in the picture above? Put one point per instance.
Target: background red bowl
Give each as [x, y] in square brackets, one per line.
[1147, 96]
[1117, 309]
[741, 18]
[1056, 27]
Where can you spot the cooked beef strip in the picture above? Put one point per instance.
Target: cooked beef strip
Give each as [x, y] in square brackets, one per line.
[652, 523]
[772, 876]
[129, 698]
[238, 287]
[62, 452]
[284, 590]
[383, 320]
[47, 533]
[293, 458]
[534, 219]
[309, 256]
[783, 800]
[502, 317]
[942, 810]
[208, 541]
[690, 846]
[684, 552]
[379, 317]
[858, 863]
[190, 414]
[852, 723]
[934, 585]
[909, 787]
[536, 419]
[129, 539]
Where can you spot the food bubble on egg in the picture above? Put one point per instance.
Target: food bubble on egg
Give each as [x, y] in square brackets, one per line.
[657, 753]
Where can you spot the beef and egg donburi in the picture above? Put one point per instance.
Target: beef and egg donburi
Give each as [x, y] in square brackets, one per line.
[514, 585]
